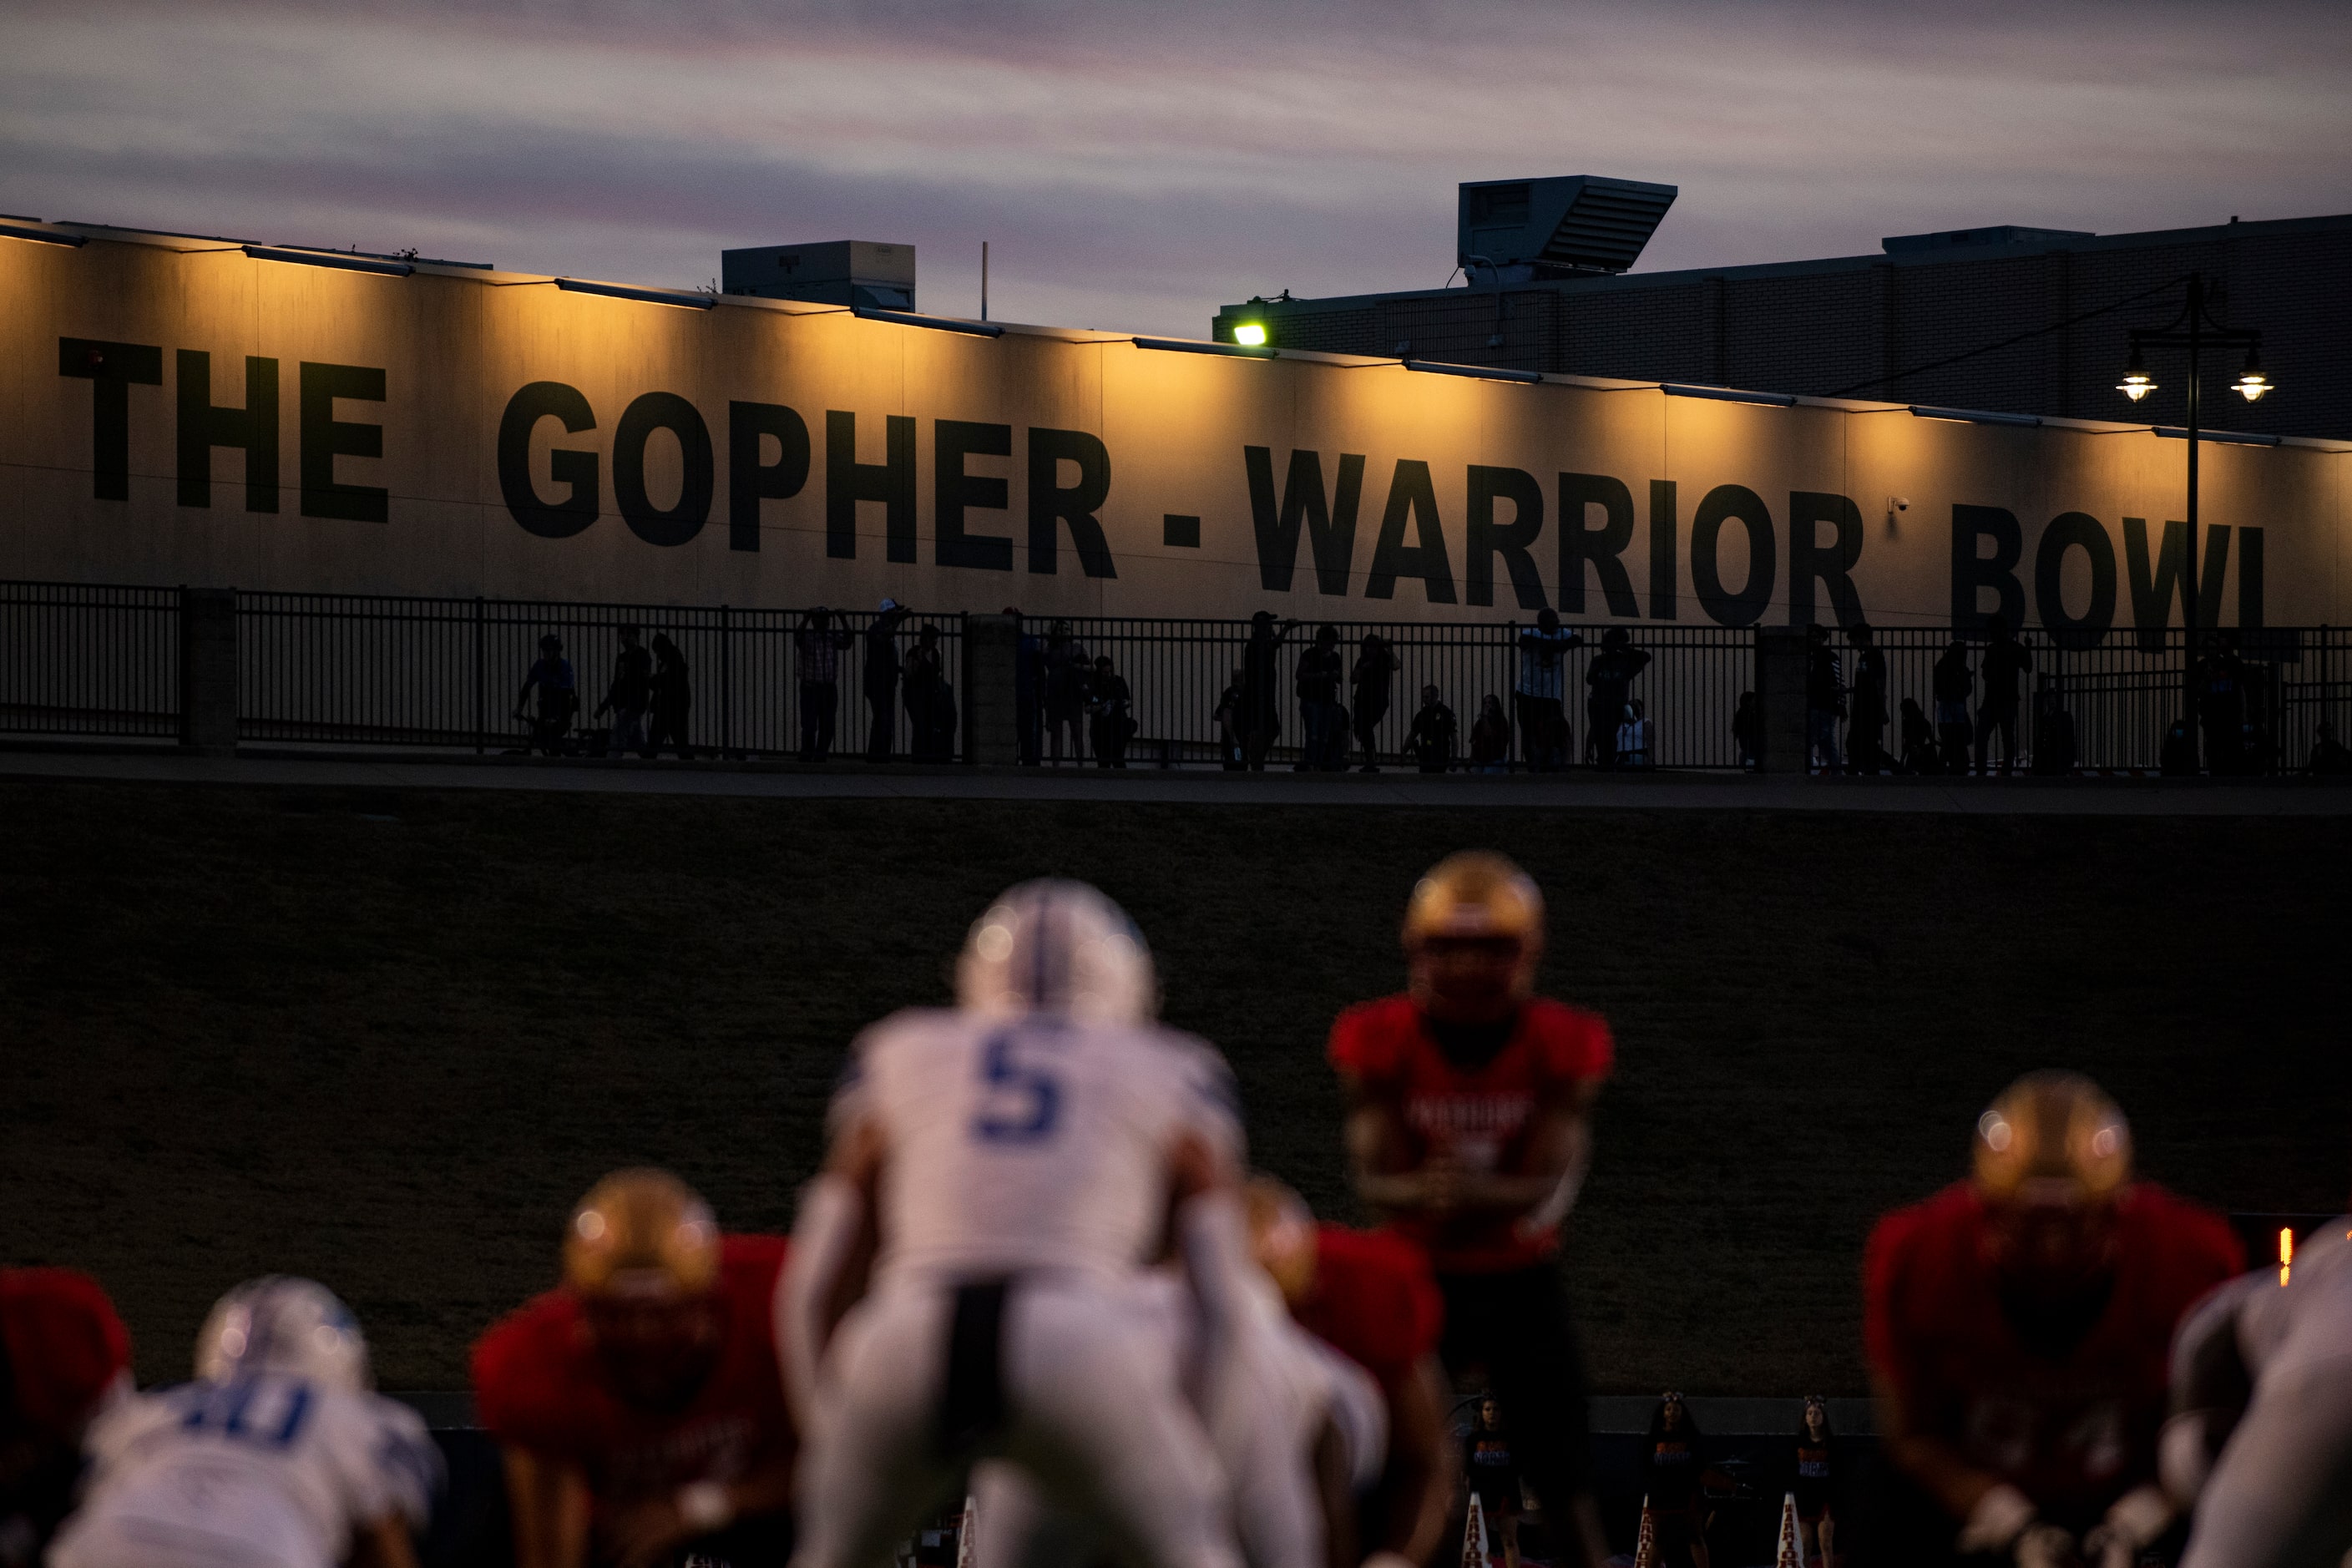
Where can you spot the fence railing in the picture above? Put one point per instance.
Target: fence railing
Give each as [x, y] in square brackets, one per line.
[377, 670]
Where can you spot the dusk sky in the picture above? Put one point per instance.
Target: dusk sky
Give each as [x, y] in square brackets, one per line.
[1134, 166]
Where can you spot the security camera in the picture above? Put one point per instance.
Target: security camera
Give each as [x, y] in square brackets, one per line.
[1899, 503]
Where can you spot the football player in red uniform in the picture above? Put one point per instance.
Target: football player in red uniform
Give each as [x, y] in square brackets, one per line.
[1469, 1105]
[2019, 1325]
[641, 1404]
[64, 1356]
[1370, 1297]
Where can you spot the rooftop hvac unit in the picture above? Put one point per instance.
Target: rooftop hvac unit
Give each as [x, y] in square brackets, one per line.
[1557, 228]
[855, 272]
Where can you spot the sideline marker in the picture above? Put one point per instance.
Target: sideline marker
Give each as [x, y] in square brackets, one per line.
[1646, 1549]
[1474, 1536]
[964, 1532]
[1791, 1553]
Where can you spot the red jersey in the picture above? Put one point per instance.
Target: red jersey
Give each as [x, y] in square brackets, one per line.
[1479, 1116]
[1373, 1302]
[2074, 1431]
[536, 1384]
[64, 1347]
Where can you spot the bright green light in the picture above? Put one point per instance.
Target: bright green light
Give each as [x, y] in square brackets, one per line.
[1250, 335]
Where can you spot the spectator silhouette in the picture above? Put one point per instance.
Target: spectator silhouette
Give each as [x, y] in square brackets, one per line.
[2330, 758]
[1028, 690]
[2053, 734]
[820, 645]
[1232, 721]
[1490, 737]
[1919, 755]
[1608, 685]
[1108, 714]
[2005, 661]
[1066, 672]
[1540, 695]
[1490, 1473]
[1951, 683]
[1634, 736]
[1317, 678]
[558, 697]
[1673, 1466]
[1376, 663]
[673, 700]
[628, 696]
[1824, 699]
[1261, 704]
[925, 675]
[882, 679]
[1865, 750]
[2222, 703]
[1430, 742]
[1745, 736]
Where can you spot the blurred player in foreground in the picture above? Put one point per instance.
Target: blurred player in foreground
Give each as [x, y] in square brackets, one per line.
[276, 1455]
[1469, 1101]
[2262, 1372]
[1008, 1167]
[640, 1405]
[1369, 1296]
[64, 1358]
[2018, 1326]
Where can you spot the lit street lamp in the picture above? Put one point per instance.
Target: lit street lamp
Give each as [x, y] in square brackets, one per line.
[2193, 329]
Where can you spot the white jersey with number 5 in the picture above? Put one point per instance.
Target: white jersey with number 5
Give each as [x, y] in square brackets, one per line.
[1035, 1143]
[265, 1471]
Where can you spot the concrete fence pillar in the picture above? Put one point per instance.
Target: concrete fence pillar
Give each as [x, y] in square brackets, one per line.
[1781, 746]
[208, 670]
[991, 646]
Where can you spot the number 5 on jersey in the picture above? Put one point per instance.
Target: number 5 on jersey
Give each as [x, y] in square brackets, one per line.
[1019, 1101]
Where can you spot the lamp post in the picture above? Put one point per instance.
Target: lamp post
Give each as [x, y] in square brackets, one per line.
[2193, 329]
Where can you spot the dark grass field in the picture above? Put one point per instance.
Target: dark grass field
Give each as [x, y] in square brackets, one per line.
[387, 1038]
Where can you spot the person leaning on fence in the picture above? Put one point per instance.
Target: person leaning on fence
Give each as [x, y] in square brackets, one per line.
[2005, 661]
[820, 645]
[1376, 662]
[1490, 737]
[1541, 693]
[1919, 754]
[1824, 699]
[882, 679]
[928, 715]
[1261, 698]
[1231, 724]
[1320, 667]
[1608, 687]
[628, 696]
[1067, 670]
[1109, 714]
[1866, 748]
[558, 697]
[1430, 742]
[672, 701]
[1951, 682]
[2221, 684]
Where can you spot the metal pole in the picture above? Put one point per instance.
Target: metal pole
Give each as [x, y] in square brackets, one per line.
[983, 279]
[2189, 592]
[726, 684]
[481, 720]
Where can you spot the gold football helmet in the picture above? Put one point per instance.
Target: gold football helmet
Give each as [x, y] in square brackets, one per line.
[1479, 897]
[2053, 1137]
[642, 1234]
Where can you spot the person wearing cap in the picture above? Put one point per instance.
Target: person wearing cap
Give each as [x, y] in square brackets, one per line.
[1469, 1104]
[820, 645]
[882, 679]
[640, 1405]
[1608, 692]
[2018, 1325]
[64, 1359]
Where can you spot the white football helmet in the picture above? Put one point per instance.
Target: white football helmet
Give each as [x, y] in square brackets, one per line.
[1057, 947]
[282, 1324]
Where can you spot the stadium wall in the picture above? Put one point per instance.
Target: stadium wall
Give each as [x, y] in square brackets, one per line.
[179, 410]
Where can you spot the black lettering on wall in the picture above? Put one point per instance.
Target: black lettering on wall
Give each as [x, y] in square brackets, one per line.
[1050, 503]
[1331, 531]
[2154, 590]
[2074, 531]
[751, 481]
[1662, 549]
[1603, 546]
[112, 369]
[326, 437]
[1513, 541]
[646, 413]
[1725, 503]
[1811, 561]
[954, 440]
[573, 469]
[1973, 571]
[252, 428]
[848, 481]
[1410, 494]
[2249, 577]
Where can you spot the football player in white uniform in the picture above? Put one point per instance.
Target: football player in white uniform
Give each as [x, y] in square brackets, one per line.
[1004, 1170]
[2261, 1371]
[277, 1456]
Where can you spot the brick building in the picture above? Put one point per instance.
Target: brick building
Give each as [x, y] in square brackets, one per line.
[1854, 325]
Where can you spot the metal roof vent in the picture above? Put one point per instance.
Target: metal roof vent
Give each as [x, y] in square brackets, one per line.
[1558, 226]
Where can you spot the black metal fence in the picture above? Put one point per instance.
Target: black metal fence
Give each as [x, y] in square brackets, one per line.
[344, 669]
